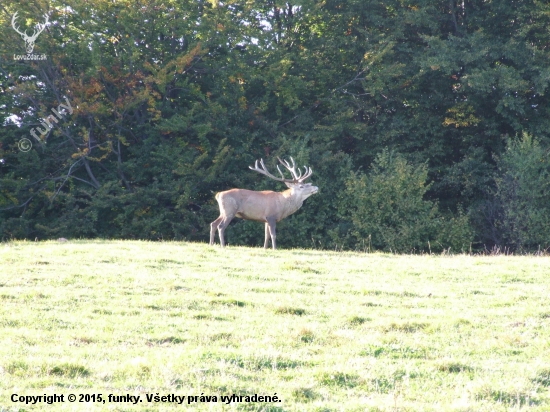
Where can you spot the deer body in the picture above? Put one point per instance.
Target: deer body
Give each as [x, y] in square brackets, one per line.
[265, 206]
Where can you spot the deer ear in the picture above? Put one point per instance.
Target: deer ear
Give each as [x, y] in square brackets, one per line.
[289, 185]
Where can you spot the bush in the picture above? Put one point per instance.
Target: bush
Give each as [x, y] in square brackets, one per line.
[388, 210]
[523, 195]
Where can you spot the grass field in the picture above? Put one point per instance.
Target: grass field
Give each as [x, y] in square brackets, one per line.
[324, 331]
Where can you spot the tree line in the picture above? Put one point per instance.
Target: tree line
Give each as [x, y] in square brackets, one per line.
[426, 123]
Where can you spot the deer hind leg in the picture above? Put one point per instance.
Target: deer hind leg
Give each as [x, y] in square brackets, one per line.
[267, 235]
[270, 225]
[221, 228]
[213, 227]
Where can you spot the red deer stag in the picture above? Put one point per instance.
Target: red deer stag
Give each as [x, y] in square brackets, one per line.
[266, 206]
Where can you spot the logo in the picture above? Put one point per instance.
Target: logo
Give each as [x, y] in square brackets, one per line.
[29, 40]
[24, 145]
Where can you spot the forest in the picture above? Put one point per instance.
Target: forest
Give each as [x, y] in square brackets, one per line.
[426, 123]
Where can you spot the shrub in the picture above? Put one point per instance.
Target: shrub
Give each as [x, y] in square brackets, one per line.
[523, 194]
[388, 209]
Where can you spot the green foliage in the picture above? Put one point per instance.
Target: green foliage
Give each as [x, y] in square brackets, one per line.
[523, 193]
[455, 232]
[389, 211]
[172, 102]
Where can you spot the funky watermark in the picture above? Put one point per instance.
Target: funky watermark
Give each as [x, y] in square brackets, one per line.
[47, 123]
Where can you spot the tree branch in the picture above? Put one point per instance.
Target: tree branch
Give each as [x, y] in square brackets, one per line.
[453, 14]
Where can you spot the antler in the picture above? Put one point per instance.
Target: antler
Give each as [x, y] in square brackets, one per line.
[39, 28]
[296, 178]
[14, 27]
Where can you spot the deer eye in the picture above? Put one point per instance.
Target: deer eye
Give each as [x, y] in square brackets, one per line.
[301, 186]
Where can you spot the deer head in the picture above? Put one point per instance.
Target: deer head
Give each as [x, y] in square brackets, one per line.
[29, 40]
[296, 184]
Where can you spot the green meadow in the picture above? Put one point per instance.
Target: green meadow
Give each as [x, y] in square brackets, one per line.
[321, 331]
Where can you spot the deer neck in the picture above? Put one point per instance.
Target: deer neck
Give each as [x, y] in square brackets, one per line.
[292, 202]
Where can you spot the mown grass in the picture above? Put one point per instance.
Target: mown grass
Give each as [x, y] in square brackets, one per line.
[324, 331]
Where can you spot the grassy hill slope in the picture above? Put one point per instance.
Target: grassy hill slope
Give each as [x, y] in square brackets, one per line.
[324, 331]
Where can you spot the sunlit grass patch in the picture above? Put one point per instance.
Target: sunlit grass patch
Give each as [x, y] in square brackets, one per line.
[515, 398]
[168, 340]
[83, 340]
[453, 367]
[68, 370]
[388, 383]
[406, 327]
[229, 302]
[339, 379]
[543, 377]
[395, 351]
[223, 336]
[259, 362]
[357, 320]
[287, 310]
[16, 367]
[306, 335]
[304, 395]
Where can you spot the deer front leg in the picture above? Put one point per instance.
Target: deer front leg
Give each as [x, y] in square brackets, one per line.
[271, 223]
